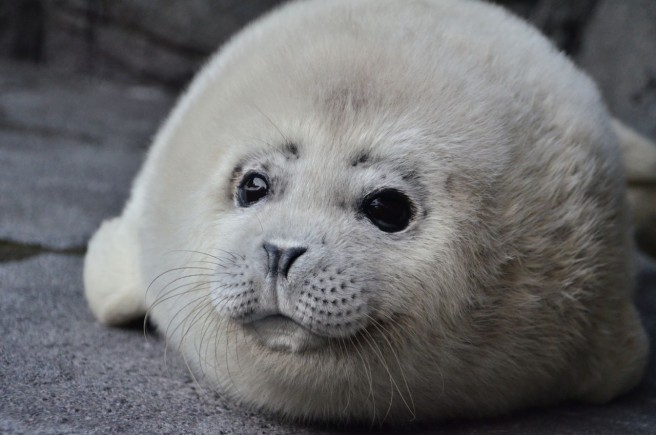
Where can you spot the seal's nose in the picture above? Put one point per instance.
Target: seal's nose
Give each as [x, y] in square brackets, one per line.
[280, 260]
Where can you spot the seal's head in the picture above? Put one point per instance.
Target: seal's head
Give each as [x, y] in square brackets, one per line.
[392, 209]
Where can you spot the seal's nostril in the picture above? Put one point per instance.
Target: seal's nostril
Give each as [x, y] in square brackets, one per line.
[280, 260]
[289, 256]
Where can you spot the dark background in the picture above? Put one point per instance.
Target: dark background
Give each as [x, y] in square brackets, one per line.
[163, 42]
[83, 86]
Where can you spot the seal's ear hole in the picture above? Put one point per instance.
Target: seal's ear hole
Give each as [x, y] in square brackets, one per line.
[253, 187]
[388, 209]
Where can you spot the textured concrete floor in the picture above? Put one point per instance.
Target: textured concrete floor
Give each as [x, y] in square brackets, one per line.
[69, 148]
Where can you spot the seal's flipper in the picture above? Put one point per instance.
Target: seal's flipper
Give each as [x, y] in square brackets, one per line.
[640, 161]
[111, 274]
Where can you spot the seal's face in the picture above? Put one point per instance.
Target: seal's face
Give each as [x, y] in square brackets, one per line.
[308, 255]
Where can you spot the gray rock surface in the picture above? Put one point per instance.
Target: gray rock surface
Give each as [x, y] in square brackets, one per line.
[69, 148]
[130, 40]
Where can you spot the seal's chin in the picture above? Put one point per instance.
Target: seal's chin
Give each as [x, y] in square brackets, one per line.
[279, 332]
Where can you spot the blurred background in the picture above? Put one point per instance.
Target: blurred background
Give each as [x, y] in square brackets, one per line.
[163, 42]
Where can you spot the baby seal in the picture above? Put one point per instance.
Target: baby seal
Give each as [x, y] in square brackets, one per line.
[384, 210]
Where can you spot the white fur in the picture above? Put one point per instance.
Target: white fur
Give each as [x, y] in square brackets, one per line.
[510, 287]
[114, 288]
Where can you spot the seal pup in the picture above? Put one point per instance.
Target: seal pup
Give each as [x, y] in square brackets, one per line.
[384, 210]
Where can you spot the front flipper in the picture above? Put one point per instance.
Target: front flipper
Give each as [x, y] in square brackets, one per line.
[640, 163]
[112, 279]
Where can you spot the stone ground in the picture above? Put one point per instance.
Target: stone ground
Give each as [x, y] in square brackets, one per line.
[69, 147]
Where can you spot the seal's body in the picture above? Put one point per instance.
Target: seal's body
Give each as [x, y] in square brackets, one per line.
[382, 210]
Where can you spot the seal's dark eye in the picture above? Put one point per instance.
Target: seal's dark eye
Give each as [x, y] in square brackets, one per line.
[253, 187]
[390, 210]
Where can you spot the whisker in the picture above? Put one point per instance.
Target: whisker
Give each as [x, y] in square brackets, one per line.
[412, 408]
[168, 295]
[171, 322]
[374, 346]
[283, 137]
[191, 251]
[174, 270]
[368, 373]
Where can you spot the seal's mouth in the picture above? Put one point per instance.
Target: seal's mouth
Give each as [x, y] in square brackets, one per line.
[282, 333]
